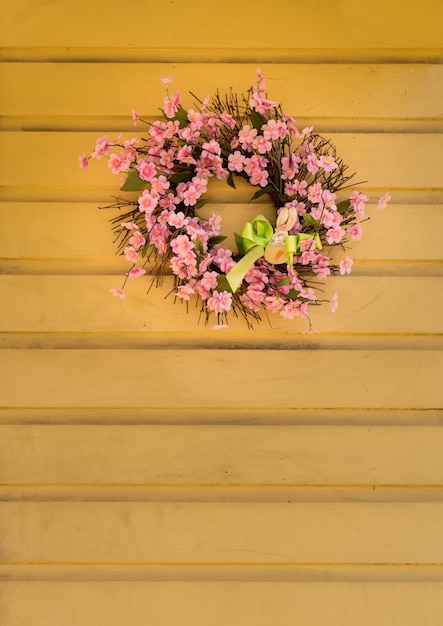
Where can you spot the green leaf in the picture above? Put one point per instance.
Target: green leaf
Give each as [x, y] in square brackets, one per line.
[181, 177]
[261, 192]
[222, 284]
[230, 181]
[343, 207]
[181, 117]
[213, 241]
[310, 221]
[201, 203]
[198, 244]
[257, 119]
[284, 281]
[145, 249]
[133, 182]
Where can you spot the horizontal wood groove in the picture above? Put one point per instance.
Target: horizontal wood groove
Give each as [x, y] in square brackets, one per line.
[348, 572]
[216, 564]
[75, 416]
[226, 340]
[101, 124]
[104, 194]
[97, 54]
[223, 493]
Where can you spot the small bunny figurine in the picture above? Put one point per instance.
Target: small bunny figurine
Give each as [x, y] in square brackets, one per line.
[275, 251]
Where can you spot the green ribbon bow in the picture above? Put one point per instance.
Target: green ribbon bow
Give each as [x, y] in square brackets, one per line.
[251, 243]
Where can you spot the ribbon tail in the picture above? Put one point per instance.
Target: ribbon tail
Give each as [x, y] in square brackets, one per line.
[240, 269]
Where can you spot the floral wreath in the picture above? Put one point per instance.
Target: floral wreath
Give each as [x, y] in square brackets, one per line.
[276, 266]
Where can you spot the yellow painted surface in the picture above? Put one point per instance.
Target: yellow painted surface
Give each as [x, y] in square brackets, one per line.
[153, 471]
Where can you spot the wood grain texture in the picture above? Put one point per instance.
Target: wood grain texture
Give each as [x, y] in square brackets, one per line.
[203, 603]
[220, 455]
[226, 533]
[382, 160]
[153, 471]
[83, 304]
[361, 25]
[87, 234]
[214, 378]
[400, 92]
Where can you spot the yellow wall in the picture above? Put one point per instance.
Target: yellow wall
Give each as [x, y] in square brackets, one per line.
[153, 471]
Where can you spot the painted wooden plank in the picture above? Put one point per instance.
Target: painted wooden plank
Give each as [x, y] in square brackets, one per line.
[32, 231]
[234, 603]
[220, 455]
[401, 91]
[383, 160]
[370, 305]
[166, 25]
[213, 378]
[203, 533]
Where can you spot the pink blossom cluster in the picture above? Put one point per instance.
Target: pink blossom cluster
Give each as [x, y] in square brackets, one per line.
[171, 168]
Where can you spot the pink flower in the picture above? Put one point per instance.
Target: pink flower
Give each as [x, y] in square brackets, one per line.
[358, 201]
[209, 280]
[262, 144]
[83, 161]
[294, 309]
[159, 185]
[383, 201]
[185, 292]
[355, 231]
[219, 302]
[184, 155]
[176, 219]
[103, 146]
[335, 235]
[129, 225]
[327, 162]
[136, 272]
[147, 202]
[315, 193]
[261, 105]
[312, 163]
[166, 80]
[134, 116]
[117, 163]
[171, 104]
[137, 240]
[130, 254]
[236, 161]
[181, 245]
[146, 170]
[334, 303]
[346, 266]
[246, 136]
[219, 326]
[117, 293]
[300, 187]
[222, 258]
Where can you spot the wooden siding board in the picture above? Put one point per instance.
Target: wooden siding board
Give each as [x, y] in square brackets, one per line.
[214, 378]
[233, 455]
[394, 91]
[87, 233]
[83, 304]
[169, 533]
[383, 160]
[217, 604]
[358, 23]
